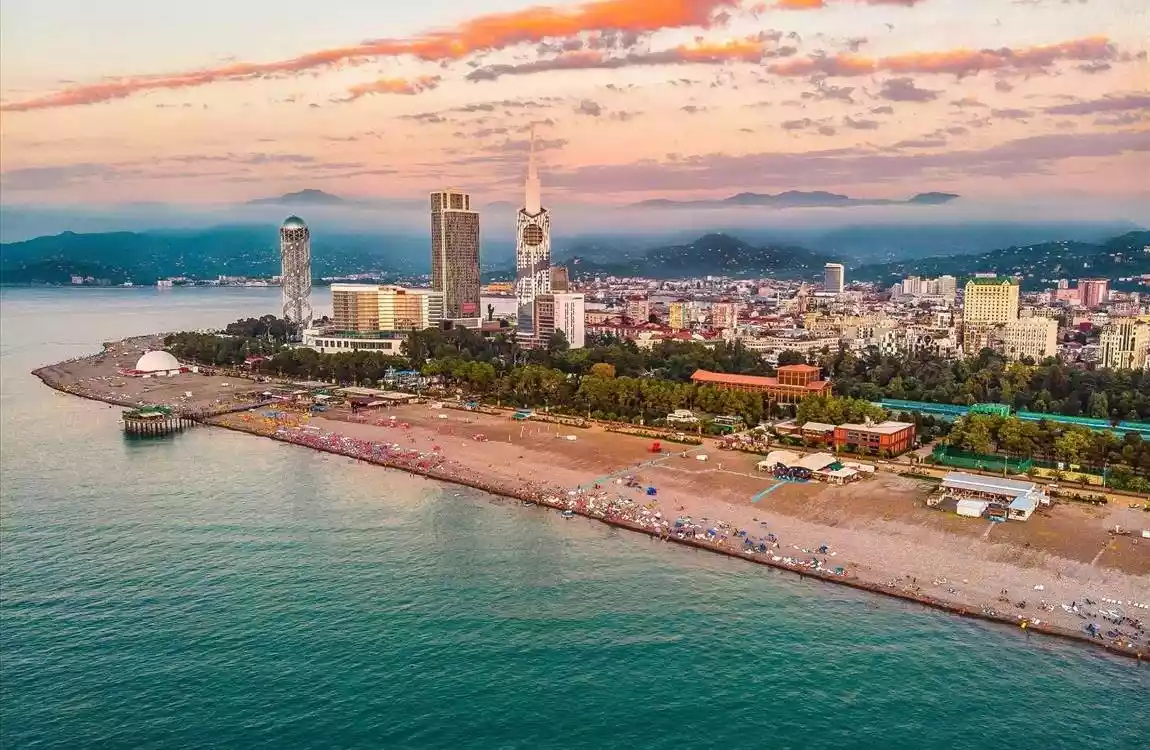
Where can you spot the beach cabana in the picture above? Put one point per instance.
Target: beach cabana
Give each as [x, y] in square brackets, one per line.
[816, 462]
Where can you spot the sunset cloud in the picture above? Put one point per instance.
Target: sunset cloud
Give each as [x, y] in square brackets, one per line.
[1113, 103]
[959, 62]
[835, 167]
[817, 4]
[407, 86]
[483, 33]
[749, 50]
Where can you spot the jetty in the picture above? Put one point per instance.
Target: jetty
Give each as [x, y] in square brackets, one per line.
[154, 420]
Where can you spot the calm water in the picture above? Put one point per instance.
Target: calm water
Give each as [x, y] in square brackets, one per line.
[219, 590]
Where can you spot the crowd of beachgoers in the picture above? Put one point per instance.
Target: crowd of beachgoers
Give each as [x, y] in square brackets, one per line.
[1116, 623]
[623, 501]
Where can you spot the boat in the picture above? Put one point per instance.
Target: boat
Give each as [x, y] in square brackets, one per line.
[568, 514]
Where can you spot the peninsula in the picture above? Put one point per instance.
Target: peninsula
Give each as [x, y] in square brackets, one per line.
[1057, 574]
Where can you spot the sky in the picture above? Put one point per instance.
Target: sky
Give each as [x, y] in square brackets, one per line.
[128, 102]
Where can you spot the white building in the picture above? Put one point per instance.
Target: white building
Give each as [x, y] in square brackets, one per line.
[834, 278]
[532, 250]
[334, 342]
[1036, 338]
[1125, 343]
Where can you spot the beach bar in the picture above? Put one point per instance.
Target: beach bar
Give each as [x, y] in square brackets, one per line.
[1020, 499]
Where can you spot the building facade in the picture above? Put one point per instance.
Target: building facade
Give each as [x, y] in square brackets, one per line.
[1093, 292]
[678, 315]
[455, 256]
[834, 278]
[792, 384]
[1036, 338]
[991, 301]
[532, 250]
[638, 309]
[335, 342]
[1125, 343]
[363, 308]
[724, 315]
[560, 279]
[560, 311]
[295, 271]
[355, 307]
[883, 438]
[988, 302]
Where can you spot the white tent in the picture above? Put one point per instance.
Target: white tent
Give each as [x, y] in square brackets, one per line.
[972, 508]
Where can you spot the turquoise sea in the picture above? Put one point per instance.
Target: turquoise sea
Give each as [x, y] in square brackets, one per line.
[216, 590]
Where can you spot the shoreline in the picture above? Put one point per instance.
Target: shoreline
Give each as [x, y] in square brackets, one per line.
[44, 375]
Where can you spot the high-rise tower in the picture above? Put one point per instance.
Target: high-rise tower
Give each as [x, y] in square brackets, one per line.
[455, 256]
[295, 264]
[532, 249]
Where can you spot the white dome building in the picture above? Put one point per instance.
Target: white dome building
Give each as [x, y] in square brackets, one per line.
[157, 361]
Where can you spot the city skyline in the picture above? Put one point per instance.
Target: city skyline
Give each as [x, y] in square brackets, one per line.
[632, 100]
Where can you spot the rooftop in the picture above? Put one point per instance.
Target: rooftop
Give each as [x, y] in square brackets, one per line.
[995, 485]
[996, 281]
[884, 428]
[727, 378]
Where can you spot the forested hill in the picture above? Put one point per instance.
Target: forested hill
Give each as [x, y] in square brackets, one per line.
[144, 257]
[1122, 256]
[712, 255]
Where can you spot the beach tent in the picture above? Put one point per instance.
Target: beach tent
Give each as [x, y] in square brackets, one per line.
[972, 508]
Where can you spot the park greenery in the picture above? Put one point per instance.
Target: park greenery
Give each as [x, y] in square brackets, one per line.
[1125, 460]
[1049, 387]
[616, 380]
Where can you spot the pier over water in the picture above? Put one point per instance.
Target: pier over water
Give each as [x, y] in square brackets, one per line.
[154, 420]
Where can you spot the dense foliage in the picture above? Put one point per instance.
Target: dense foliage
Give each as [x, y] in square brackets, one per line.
[267, 327]
[1127, 459]
[214, 349]
[1050, 387]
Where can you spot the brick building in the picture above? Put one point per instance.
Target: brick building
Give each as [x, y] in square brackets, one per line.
[792, 384]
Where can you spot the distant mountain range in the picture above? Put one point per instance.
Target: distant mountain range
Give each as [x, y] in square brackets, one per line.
[798, 199]
[144, 257]
[252, 250]
[1122, 256]
[307, 197]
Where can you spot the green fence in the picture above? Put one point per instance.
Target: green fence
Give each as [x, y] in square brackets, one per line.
[949, 456]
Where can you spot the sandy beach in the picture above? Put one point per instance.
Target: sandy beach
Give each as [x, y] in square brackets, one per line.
[878, 534]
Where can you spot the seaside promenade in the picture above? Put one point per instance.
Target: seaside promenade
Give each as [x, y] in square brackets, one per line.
[1058, 574]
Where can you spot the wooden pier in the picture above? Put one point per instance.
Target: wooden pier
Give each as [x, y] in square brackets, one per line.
[154, 421]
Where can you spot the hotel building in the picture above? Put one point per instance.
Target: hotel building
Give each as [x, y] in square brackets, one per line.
[455, 256]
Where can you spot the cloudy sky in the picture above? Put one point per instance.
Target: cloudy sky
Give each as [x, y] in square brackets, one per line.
[222, 101]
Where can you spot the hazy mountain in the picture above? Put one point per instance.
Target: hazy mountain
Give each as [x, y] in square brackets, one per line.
[710, 255]
[307, 197]
[144, 257]
[1125, 255]
[797, 199]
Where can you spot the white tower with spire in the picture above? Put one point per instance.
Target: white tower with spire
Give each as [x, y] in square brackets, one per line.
[532, 249]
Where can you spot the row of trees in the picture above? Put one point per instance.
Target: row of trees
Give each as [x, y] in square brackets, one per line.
[1051, 387]
[1053, 442]
[599, 392]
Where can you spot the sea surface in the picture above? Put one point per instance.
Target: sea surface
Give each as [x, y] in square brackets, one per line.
[218, 590]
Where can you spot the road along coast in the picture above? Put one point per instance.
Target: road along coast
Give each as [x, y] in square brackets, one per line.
[876, 536]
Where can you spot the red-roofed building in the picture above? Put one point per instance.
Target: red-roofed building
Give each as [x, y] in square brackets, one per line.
[790, 386]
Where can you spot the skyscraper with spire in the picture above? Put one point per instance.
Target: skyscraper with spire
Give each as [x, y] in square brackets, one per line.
[532, 250]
